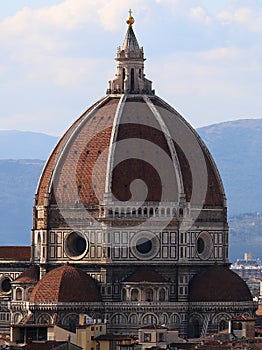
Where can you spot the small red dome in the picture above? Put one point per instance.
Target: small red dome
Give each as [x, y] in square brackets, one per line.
[31, 275]
[66, 284]
[218, 283]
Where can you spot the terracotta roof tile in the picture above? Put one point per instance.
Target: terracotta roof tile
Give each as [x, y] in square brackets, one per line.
[31, 275]
[218, 283]
[66, 284]
[81, 175]
[81, 154]
[15, 252]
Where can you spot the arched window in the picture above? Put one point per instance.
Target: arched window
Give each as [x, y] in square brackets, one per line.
[44, 319]
[38, 246]
[162, 294]
[132, 82]
[118, 319]
[134, 211]
[18, 294]
[70, 322]
[29, 291]
[149, 319]
[196, 329]
[124, 76]
[175, 319]
[124, 294]
[133, 319]
[148, 294]
[222, 325]
[164, 319]
[134, 295]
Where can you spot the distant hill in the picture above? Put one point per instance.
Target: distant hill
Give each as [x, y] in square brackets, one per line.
[25, 144]
[245, 235]
[236, 147]
[18, 181]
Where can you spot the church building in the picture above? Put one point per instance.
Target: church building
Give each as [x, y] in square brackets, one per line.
[129, 222]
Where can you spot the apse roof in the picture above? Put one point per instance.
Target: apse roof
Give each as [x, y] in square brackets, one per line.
[218, 283]
[66, 284]
[31, 275]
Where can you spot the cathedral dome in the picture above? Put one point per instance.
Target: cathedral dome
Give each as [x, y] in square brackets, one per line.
[123, 138]
[130, 160]
[130, 147]
[65, 284]
[218, 283]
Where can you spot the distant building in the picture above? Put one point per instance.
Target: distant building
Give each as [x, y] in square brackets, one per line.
[129, 224]
[248, 267]
[250, 270]
[156, 336]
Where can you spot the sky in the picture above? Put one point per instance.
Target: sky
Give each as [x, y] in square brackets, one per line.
[56, 57]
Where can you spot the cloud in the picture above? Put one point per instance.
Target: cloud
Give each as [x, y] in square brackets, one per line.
[241, 15]
[111, 14]
[221, 54]
[64, 50]
[43, 28]
[222, 72]
[209, 85]
[199, 14]
[247, 17]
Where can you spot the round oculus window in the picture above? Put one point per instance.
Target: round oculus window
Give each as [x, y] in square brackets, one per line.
[5, 285]
[204, 245]
[144, 245]
[200, 245]
[76, 245]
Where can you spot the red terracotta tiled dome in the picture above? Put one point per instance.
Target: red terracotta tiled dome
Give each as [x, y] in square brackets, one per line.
[31, 275]
[66, 284]
[218, 283]
[90, 153]
[129, 147]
